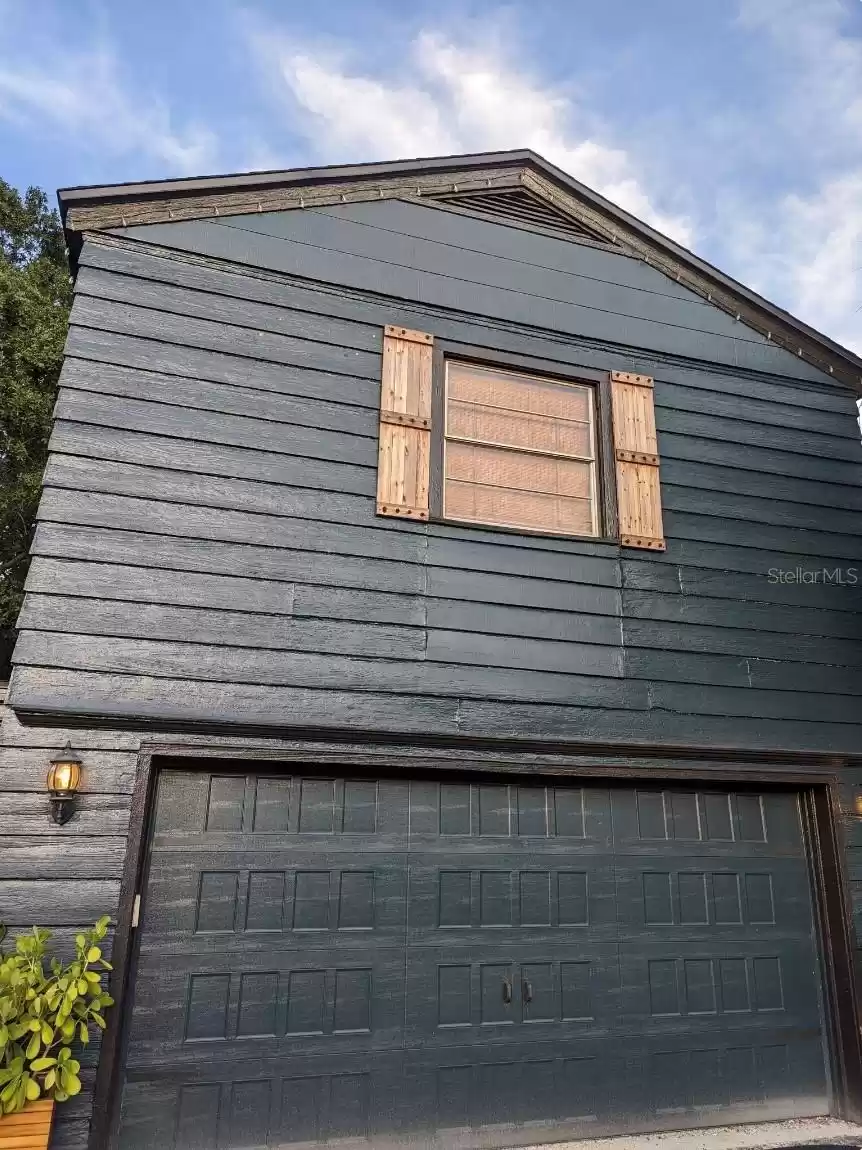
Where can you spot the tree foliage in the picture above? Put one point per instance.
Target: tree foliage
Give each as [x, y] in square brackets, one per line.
[35, 296]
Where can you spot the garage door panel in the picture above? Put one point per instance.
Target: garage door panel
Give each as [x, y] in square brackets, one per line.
[749, 1075]
[783, 821]
[467, 964]
[752, 1078]
[148, 1115]
[730, 822]
[318, 1002]
[231, 804]
[267, 1104]
[547, 1094]
[212, 895]
[513, 995]
[473, 899]
[686, 892]
[723, 982]
[483, 812]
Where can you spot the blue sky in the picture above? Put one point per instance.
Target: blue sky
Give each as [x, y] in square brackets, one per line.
[734, 125]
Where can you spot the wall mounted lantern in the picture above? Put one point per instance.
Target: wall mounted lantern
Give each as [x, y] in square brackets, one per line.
[854, 808]
[64, 778]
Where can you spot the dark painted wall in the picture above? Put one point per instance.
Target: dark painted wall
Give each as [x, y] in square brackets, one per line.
[207, 548]
[224, 426]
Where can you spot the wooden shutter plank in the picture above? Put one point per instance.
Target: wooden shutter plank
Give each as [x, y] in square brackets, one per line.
[404, 454]
[637, 461]
[389, 381]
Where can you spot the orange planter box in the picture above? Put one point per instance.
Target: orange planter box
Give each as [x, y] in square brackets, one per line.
[29, 1129]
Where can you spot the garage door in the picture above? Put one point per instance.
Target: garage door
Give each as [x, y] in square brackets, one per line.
[466, 965]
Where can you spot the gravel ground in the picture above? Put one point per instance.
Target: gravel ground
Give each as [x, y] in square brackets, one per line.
[797, 1133]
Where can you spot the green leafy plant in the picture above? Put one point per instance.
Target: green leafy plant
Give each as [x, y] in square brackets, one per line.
[46, 1008]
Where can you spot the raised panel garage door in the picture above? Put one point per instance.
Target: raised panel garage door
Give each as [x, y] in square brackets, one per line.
[457, 964]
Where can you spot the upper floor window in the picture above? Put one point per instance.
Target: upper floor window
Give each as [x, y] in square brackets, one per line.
[502, 447]
[519, 451]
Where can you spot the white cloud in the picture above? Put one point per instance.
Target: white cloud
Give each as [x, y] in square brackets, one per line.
[801, 248]
[807, 250]
[354, 114]
[819, 68]
[819, 239]
[83, 94]
[448, 98]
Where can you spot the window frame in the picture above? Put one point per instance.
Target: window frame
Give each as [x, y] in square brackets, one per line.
[604, 467]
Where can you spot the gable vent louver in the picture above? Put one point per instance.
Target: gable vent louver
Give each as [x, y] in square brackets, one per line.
[519, 206]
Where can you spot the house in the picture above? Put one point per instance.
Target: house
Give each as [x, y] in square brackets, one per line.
[450, 586]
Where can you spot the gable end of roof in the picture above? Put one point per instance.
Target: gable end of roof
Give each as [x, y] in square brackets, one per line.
[518, 188]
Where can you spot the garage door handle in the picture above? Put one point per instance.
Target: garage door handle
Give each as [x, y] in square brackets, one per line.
[507, 991]
[528, 991]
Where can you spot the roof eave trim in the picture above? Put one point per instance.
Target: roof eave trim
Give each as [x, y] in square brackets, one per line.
[249, 181]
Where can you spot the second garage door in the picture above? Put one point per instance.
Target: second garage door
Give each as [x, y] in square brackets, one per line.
[467, 964]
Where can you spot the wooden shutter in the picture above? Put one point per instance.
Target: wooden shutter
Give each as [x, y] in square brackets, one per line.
[404, 457]
[637, 462]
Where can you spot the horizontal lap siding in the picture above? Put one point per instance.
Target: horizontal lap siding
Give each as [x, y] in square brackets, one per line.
[376, 310]
[208, 519]
[350, 416]
[375, 247]
[63, 878]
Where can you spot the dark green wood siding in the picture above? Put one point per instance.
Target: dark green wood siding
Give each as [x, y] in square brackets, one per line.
[224, 426]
